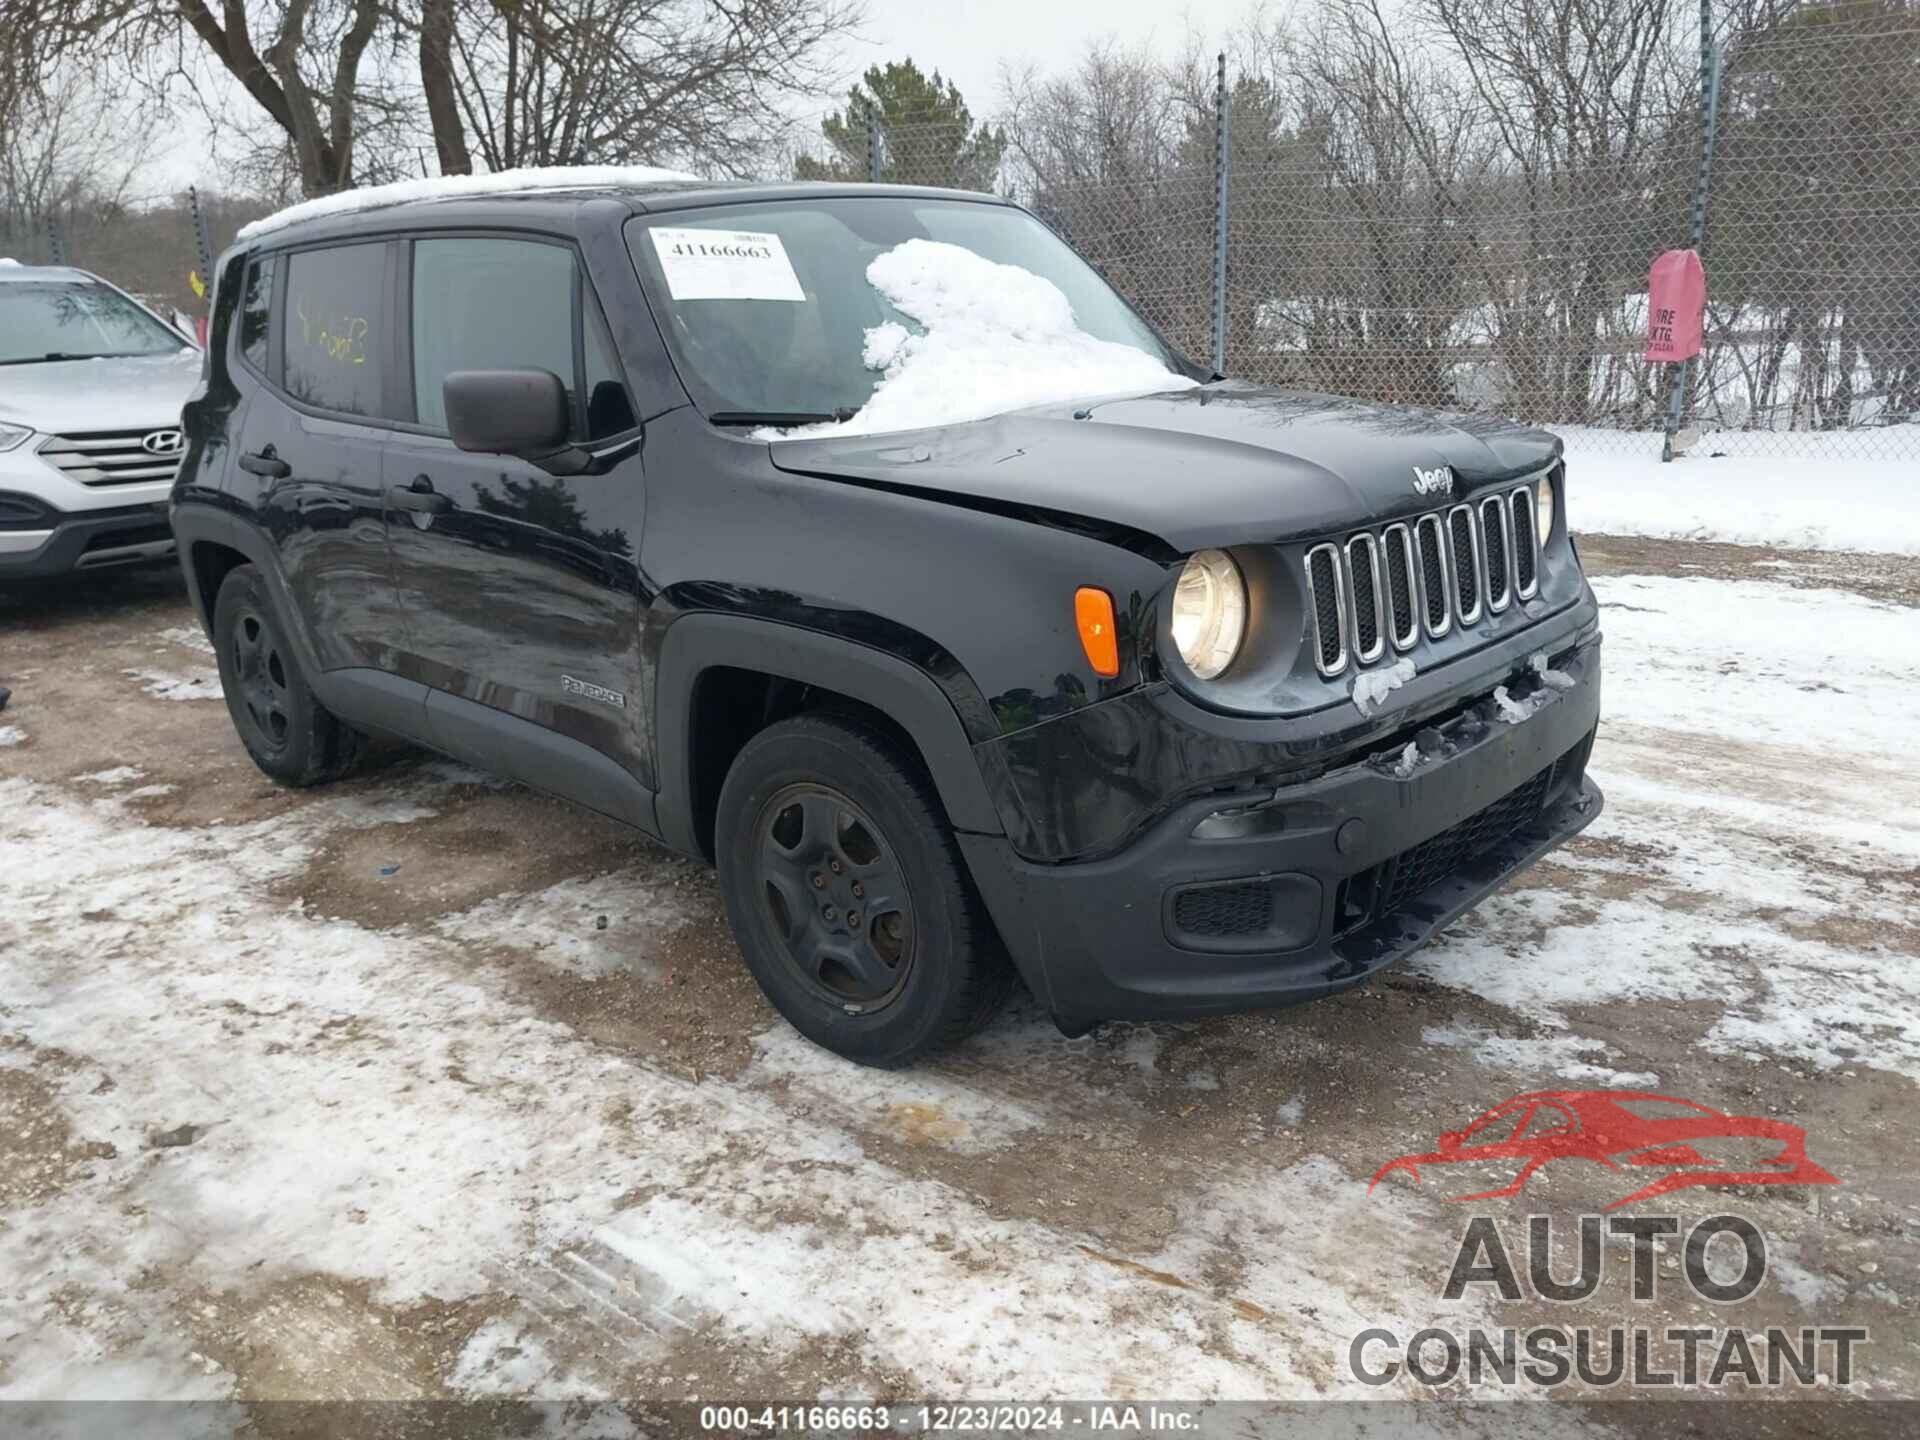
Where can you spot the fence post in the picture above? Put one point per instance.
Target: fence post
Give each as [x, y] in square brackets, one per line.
[1697, 212]
[202, 246]
[56, 244]
[1222, 161]
[873, 146]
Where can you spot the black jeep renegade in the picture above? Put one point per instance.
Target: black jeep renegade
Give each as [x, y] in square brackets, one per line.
[1180, 700]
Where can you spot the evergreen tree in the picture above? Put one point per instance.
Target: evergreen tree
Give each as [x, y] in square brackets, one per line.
[927, 136]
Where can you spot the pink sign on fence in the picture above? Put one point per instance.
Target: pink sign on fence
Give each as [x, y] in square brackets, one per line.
[1676, 301]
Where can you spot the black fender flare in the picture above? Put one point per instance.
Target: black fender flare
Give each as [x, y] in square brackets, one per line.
[702, 641]
[202, 524]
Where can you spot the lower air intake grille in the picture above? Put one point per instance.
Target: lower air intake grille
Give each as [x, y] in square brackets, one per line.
[1384, 888]
[1220, 911]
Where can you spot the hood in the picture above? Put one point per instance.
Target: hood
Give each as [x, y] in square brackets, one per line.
[65, 397]
[1222, 465]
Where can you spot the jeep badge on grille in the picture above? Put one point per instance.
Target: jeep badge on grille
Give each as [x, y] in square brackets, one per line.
[1437, 481]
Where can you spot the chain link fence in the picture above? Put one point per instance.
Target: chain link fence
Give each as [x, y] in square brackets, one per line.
[1403, 222]
[1389, 235]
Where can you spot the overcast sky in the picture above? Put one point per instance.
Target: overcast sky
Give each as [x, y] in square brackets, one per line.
[969, 40]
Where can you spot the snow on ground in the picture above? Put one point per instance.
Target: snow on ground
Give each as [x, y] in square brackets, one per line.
[993, 338]
[1804, 502]
[1758, 878]
[200, 682]
[384, 1112]
[190, 636]
[589, 927]
[458, 187]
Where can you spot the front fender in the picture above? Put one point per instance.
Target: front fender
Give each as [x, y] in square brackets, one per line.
[695, 643]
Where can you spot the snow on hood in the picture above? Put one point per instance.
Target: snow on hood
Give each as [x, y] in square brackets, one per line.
[453, 187]
[997, 338]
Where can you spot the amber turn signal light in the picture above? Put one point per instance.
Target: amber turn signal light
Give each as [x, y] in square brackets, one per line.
[1093, 614]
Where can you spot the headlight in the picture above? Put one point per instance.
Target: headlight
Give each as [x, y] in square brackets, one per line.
[1209, 612]
[11, 436]
[1543, 511]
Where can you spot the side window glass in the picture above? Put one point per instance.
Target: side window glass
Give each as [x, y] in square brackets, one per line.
[490, 305]
[335, 333]
[256, 311]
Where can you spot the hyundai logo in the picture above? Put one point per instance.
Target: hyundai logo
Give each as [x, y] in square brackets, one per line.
[164, 442]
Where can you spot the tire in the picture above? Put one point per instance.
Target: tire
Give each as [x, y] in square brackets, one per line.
[289, 734]
[823, 814]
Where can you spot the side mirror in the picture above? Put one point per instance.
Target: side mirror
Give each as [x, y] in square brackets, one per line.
[507, 412]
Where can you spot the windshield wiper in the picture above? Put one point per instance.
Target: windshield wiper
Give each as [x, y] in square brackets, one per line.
[781, 417]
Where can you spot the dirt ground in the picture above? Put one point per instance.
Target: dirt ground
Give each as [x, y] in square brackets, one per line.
[423, 1086]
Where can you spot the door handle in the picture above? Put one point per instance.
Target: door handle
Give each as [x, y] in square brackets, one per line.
[265, 462]
[420, 495]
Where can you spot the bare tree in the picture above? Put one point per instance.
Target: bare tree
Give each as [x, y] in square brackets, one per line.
[513, 82]
[698, 82]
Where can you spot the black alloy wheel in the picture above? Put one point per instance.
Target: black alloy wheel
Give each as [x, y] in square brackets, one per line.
[262, 673]
[836, 896]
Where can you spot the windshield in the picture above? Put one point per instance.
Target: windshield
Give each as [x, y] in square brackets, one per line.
[779, 313]
[75, 321]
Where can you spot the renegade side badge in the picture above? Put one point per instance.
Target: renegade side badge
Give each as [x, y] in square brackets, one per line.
[590, 691]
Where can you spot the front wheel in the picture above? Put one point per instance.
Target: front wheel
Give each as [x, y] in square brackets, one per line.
[290, 735]
[848, 896]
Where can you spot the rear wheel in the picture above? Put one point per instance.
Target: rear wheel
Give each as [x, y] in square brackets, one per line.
[289, 734]
[848, 896]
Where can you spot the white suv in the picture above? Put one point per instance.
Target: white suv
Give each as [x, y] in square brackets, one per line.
[91, 385]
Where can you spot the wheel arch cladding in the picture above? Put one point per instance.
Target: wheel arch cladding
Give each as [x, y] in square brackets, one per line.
[708, 649]
[197, 526]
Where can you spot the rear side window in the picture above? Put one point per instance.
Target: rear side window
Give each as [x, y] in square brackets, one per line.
[256, 311]
[486, 304]
[335, 329]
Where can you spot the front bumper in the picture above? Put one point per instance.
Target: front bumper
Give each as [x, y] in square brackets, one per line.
[67, 541]
[1275, 895]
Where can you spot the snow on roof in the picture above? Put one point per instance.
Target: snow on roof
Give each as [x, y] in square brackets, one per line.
[8, 260]
[454, 187]
[996, 338]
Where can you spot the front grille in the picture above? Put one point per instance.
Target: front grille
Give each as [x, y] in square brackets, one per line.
[1384, 888]
[1525, 549]
[111, 457]
[1466, 563]
[1329, 609]
[1493, 536]
[1364, 569]
[1444, 569]
[1218, 912]
[1396, 542]
[1433, 574]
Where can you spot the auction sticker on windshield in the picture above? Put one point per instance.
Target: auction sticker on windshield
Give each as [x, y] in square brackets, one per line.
[725, 265]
